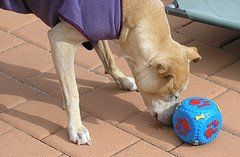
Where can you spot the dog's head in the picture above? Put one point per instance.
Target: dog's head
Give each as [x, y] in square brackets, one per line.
[163, 80]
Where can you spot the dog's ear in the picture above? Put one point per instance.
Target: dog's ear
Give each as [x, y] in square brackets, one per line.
[163, 67]
[192, 54]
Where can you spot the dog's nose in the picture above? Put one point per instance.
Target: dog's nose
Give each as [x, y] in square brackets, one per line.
[155, 115]
[175, 96]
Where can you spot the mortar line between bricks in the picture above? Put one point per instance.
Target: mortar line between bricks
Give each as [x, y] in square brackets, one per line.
[170, 151]
[184, 25]
[33, 44]
[60, 155]
[229, 132]
[12, 47]
[221, 94]
[125, 148]
[43, 92]
[30, 86]
[206, 43]
[19, 37]
[139, 137]
[189, 41]
[98, 67]
[40, 140]
[209, 80]
[34, 21]
[219, 46]
[8, 130]
[167, 151]
[227, 42]
[9, 32]
[130, 117]
[36, 75]
[230, 89]
[115, 126]
[222, 68]
[25, 41]
[63, 128]
[14, 128]
[92, 71]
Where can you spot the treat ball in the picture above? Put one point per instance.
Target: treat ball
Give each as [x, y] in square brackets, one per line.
[197, 120]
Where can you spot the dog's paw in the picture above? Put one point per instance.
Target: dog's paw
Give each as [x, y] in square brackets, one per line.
[127, 83]
[80, 136]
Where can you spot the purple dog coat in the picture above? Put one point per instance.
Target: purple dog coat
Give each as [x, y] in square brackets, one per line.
[95, 19]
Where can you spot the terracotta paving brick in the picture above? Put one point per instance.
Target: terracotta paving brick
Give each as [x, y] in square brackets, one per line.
[147, 128]
[35, 33]
[225, 145]
[180, 38]
[229, 105]
[112, 104]
[233, 47]
[209, 34]
[213, 59]
[200, 87]
[39, 118]
[8, 41]
[16, 143]
[142, 149]
[107, 140]
[115, 47]
[177, 22]
[49, 82]
[90, 59]
[13, 92]
[4, 127]
[166, 1]
[228, 77]
[25, 61]
[64, 155]
[87, 59]
[121, 63]
[10, 21]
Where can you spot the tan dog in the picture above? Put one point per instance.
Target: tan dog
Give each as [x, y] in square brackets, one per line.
[160, 65]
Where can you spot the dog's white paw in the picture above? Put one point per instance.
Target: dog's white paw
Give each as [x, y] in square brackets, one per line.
[127, 83]
[80, 136]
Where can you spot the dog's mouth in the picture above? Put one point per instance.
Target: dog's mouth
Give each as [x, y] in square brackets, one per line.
[164, 112]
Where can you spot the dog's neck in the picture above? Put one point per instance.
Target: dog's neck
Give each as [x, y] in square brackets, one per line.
[145, 30]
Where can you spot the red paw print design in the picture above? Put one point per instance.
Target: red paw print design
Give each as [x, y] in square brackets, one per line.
[199, 102]
[212, 128]
[183, 126]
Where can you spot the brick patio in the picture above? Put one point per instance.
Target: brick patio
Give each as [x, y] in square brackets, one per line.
[33, 123]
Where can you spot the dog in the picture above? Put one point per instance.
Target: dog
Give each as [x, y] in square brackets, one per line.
[160, 65]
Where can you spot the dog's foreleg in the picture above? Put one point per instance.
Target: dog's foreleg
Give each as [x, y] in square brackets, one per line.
[104, 52]
[64, 40]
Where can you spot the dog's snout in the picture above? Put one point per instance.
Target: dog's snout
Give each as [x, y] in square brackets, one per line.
[155, 115]
[175, 96]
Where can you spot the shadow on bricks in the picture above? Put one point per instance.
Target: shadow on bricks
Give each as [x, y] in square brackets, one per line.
[146, 125]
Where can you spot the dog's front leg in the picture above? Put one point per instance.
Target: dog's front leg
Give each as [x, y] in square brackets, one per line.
[105, 54]
[64, 40]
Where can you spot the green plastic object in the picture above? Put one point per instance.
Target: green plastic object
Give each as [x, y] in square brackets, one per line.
[224, 13]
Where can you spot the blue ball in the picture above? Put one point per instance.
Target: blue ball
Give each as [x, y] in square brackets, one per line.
[197, 120]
